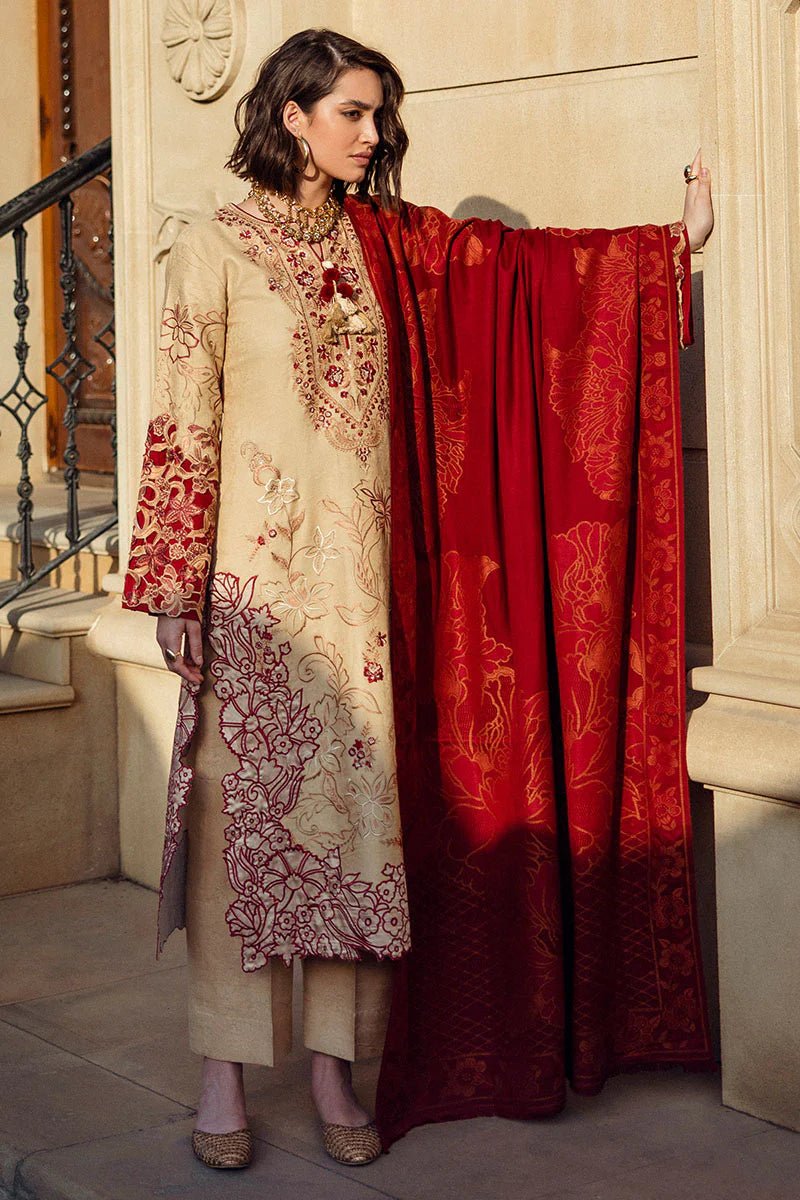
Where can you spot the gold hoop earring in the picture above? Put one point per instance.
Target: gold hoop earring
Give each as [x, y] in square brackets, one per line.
[306, 151]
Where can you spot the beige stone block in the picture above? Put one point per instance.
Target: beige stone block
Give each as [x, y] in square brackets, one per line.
[603, 149]
[135, 1165]
[324, 14]
[19, 695]
[59, 800]
[637, 1127]
[436, 46]
[758, 895]
[34, 657]
[84, 572]
[742, 744]
[750, 94]
[147, 701]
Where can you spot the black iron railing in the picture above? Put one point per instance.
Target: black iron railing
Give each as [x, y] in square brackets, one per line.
[69, 369]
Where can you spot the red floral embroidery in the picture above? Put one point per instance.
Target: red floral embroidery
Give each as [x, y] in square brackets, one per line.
[180, 776]
[334, 376]
[350, 399]
[174, 522]
[288, 900]
[177, 332]
[179, 787]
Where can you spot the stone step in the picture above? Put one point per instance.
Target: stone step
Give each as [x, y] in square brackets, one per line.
[83, 572]
[35, 632]
[28, 695]
[58, 744]
[32, 656]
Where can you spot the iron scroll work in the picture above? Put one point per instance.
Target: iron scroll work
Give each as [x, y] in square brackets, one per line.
[70, 369]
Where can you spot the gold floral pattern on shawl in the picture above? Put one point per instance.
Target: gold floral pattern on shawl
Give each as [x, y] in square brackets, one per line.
[438, 240]
[485, 733]
[343, 385]
[449, 405]
[489, 732]
[587, 562]
[588, 384]
[475, 675]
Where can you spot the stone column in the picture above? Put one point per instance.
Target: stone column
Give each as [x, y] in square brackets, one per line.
[744, 742]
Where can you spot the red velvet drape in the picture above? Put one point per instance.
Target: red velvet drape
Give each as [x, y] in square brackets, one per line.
[537, 660]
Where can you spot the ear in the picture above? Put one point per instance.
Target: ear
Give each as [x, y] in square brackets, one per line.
[292, 117]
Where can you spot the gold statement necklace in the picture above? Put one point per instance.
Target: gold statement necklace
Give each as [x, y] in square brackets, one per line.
[313, 225]
[303, 224]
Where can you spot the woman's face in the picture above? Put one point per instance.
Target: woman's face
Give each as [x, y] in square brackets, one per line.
[340, 129]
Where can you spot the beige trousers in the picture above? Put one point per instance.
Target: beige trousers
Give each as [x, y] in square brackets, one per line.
[247, 1017]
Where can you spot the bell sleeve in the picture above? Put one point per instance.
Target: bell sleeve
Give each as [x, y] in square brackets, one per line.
[175, 519]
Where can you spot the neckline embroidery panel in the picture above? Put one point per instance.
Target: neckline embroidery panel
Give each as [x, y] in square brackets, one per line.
[341, 381]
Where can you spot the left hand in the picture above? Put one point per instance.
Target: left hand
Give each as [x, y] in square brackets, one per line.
[698, 214]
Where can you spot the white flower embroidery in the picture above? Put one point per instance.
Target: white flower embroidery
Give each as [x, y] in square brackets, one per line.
[374, 798]
[278, 494]
[322, 550]
[299, 603]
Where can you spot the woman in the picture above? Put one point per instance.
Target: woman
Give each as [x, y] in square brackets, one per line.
[341, 336]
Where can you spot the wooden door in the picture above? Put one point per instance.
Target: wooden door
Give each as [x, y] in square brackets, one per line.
[75, 110]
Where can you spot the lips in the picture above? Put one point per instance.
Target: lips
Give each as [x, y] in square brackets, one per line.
[362, 158]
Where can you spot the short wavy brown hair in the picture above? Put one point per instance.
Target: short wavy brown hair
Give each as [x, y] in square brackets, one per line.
[304, 69]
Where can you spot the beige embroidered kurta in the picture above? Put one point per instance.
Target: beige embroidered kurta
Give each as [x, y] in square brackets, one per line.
[266, 477]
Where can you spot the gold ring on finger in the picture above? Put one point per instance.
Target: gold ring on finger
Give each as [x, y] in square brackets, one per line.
[170, 655]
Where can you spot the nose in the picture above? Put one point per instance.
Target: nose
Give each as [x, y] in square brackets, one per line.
[369, 133]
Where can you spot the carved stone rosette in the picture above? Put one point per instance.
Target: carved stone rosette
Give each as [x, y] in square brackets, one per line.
[204, 41]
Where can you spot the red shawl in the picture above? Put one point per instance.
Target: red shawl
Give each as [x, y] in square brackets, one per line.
[537, 656]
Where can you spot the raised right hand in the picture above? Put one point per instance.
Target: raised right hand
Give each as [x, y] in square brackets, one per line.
[173, 633]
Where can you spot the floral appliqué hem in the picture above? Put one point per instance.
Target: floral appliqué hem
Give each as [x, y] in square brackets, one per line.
[289, 901]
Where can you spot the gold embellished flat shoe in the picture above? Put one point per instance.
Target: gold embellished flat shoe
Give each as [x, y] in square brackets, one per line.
[353, 1145]
[224, 1151]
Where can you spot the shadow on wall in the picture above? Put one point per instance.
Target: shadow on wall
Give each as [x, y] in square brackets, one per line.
[490, 210]
[702, 802]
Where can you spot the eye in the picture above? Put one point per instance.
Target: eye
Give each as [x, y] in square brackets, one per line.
[352, 112]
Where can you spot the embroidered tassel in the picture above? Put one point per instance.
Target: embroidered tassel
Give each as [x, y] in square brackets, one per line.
[343, 317]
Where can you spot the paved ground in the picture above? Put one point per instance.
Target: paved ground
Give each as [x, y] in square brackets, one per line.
[97, 1087]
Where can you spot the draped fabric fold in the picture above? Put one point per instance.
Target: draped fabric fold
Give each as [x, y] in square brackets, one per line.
[537, 661]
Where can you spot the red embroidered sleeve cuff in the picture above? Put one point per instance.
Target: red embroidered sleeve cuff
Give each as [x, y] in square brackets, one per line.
[174, 523]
